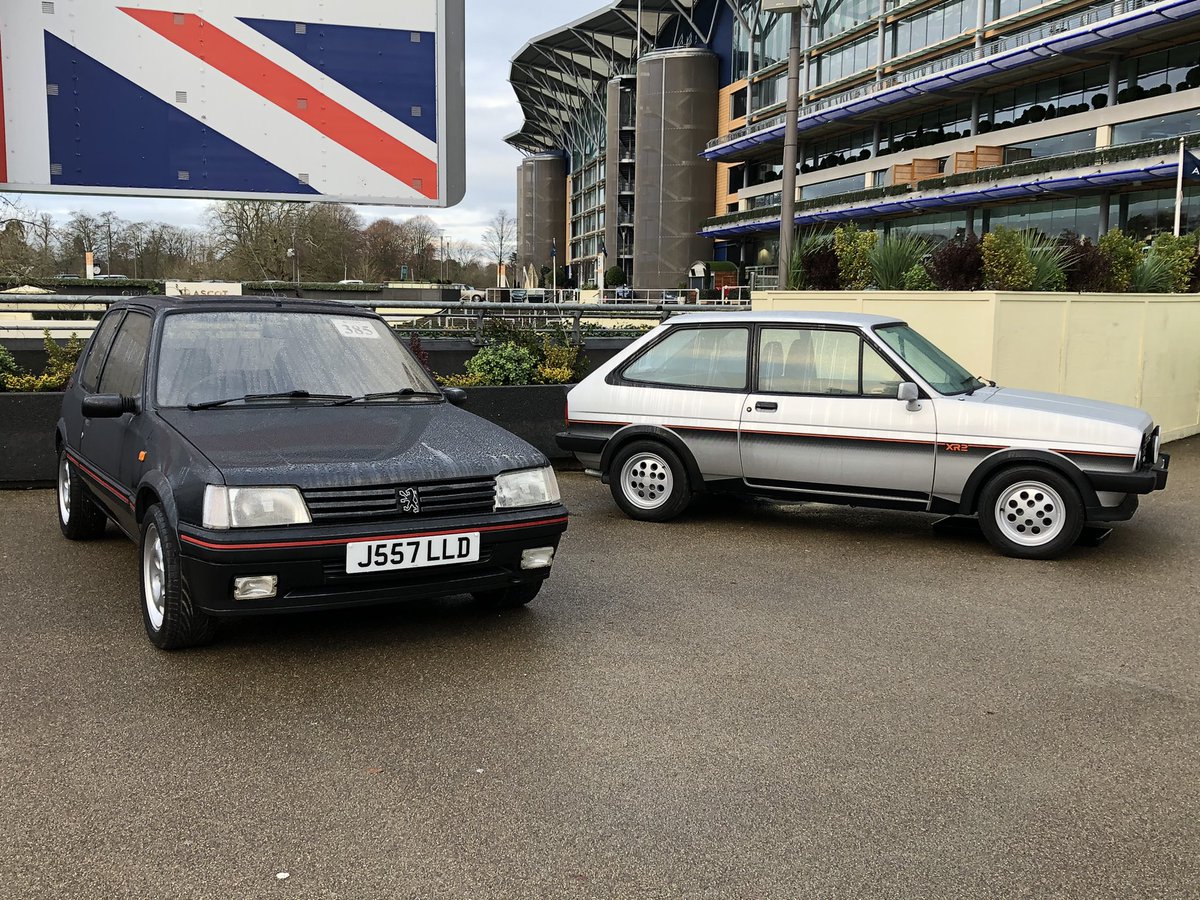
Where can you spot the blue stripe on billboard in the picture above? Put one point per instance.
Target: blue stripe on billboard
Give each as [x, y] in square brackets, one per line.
[394, 70]
[105, 130]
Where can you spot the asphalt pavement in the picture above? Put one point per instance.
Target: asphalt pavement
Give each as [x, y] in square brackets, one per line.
[756, 701]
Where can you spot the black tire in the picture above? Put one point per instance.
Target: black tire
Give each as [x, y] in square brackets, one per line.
[510, 597]
[174, 621]
[79, 516]
[649, 482]
[1031, 512]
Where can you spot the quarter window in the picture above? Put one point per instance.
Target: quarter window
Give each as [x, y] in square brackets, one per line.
[127, 360]
[695, 357]
[97, 350]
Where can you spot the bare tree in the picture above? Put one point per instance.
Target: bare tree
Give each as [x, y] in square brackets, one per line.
[254, 237]
[500, 240]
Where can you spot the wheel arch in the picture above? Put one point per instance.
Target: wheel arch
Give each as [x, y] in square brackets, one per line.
[651, 433]
[1011, 459]
[155, 489]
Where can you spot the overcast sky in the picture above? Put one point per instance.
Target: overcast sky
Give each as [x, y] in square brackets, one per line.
[495, 31]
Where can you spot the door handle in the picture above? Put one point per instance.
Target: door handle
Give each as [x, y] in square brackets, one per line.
[766, 406]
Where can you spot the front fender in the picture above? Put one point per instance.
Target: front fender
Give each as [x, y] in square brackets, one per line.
[1005, 459]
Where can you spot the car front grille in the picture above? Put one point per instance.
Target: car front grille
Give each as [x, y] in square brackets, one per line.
[329, 506]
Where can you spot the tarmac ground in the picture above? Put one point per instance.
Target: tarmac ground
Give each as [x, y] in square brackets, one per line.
[755, 701]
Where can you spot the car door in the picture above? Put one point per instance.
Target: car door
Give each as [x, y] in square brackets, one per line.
[692, 381]
[824, 420]
[108, 445]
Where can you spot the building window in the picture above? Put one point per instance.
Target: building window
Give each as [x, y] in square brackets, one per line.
[1157, 127]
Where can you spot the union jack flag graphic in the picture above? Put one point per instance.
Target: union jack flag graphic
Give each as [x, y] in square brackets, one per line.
[304, 99]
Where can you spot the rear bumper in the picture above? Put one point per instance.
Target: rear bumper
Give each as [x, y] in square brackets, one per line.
[580, 443]
[311, 569]
[1143, 481]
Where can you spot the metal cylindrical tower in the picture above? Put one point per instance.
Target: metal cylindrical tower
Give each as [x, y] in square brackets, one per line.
[541, 210]
[675, 188]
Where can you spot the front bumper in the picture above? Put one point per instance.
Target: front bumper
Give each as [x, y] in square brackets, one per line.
[1143, 481]
[310, 562]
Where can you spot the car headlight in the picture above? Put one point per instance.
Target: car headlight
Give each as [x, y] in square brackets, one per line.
[528, 487]
[253, 507]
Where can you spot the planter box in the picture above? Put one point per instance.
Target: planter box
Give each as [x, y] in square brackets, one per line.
[27, 458]
[27, 438]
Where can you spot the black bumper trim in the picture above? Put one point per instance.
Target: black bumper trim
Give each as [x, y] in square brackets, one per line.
[1143, 481]
[583, 443]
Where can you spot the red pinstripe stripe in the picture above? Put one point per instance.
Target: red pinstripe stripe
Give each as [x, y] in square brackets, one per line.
[254, 71]
[334, 542]
[104, 483]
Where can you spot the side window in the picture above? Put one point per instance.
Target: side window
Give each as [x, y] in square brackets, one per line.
[97, 349]
[695, 357]
[127, 361]
[879, 379]
[808, 361]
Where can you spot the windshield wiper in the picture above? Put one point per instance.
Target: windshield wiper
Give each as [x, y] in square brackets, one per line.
[384, 395]
[281, 395]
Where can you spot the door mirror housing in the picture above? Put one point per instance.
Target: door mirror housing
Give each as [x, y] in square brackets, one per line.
[910, 394]
[454, 396]
[108, 406]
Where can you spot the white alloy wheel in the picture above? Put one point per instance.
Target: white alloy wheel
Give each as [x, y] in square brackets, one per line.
[646, 480]
[1030, 513]
[64, 489]
[154, 577]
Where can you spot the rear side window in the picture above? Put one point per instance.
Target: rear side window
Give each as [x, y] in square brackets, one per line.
[127, 361]
[713, 358]
[822, 362]
[97, 350]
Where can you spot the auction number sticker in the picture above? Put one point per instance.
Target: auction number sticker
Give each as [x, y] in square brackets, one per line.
[356, 328]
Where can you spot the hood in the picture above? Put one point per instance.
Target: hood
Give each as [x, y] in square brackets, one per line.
[311, 446]
[1061, 404]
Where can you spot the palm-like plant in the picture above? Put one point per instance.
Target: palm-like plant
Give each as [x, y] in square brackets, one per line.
[1153, 274]
[895, 255]
[1049, 260]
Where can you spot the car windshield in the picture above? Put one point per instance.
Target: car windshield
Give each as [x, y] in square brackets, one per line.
[942, 373]
[210, 356]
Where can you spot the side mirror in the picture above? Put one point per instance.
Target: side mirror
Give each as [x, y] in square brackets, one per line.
[910, 394]
[454, 396]
[108, 406]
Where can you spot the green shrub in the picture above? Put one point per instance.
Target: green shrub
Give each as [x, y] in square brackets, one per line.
[1085, 265]
[8, 366]
[894, 257]
[807, 243]
[560, 363]
[1006, 264]
[60, 363]
[917, 279]
[614, 276]
[1123, 254]
[853, 248]
[508, 363]
[1179, 253]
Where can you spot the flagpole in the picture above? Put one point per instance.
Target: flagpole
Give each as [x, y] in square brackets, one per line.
[1179, 191]
[553, 270]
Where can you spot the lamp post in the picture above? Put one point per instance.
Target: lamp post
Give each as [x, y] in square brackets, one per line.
[787, 205]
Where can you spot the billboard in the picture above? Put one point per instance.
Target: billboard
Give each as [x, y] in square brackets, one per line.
[359, 101]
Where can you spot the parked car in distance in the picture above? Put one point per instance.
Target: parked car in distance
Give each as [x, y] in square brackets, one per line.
[468, 293]
[273, 455]
[518, 295]
[859, 410]
[110, 277]
[68, 276]
[351, 281]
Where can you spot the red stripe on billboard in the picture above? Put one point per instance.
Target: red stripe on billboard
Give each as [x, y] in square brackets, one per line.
[3, 144]
[272, 82]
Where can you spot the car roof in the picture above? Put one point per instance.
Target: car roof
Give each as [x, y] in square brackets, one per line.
[209, 303]
[786, 317]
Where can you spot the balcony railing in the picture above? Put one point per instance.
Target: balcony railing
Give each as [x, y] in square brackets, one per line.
[1000, 45]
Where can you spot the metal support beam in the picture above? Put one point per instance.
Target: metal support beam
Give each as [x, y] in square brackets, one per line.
[787, 223]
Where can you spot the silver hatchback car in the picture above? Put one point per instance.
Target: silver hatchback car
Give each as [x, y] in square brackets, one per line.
[859, 410]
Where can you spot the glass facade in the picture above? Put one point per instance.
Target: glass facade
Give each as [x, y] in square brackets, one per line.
[1157, 127]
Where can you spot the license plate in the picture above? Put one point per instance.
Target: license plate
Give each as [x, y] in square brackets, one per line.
[412, 553]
